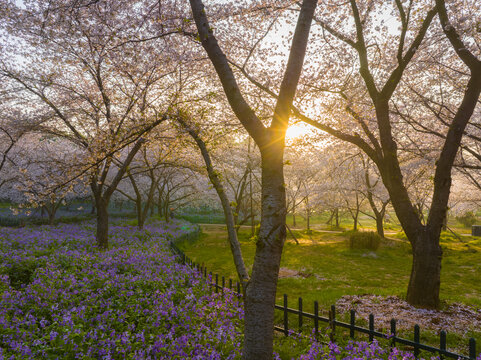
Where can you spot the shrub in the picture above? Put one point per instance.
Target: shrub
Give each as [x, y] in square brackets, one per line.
[468, 219]
[364, 240]
[21, 273]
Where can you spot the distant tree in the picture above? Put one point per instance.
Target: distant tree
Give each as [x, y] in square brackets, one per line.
[37, 170]
[376, 195]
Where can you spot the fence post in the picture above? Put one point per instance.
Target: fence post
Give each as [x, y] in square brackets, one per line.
[442, 342]
[371, 327]
[353, 323]
[300, 313]
[316, 318]
[332, 322]
[238, 288]
[223, 284]
[472, 348]
[416, 341]
[216, 283]
[286, 317]
[393, 332]
[230, 284]
[205, 272]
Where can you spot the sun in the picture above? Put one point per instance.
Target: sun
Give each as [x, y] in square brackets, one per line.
[297, 131]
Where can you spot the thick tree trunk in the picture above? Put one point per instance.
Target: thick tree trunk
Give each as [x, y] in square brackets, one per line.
[261, 290]
[423, 289]
[102, 224]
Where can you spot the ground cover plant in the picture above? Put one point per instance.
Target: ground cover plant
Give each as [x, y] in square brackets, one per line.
[61, 298]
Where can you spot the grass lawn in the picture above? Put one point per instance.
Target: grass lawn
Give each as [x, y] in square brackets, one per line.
[330, 269]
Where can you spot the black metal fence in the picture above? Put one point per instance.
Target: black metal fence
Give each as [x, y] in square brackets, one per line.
[220, 284]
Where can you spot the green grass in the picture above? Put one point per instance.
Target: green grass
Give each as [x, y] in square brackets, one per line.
[203, 218]
[333, 270]
[319, 221]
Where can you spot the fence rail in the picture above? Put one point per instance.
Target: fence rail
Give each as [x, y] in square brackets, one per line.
[221, 286]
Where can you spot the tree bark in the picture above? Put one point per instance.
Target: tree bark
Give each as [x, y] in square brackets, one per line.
[425, 280]
[261, 290]
[102, 223]
[93, 208]
[102, 197]
[379, 225]
[51, 217]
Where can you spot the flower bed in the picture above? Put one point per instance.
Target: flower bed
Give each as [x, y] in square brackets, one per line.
[61, 298]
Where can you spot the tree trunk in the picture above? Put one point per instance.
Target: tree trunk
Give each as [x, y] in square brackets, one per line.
[102, 224]
[379, 225]
[261, 290]
[51, 217]
[138, 210]
[337, 218]
[166, 211]
[160, 207]
[329, 221]
[423, 289]
[308, 220]
[232, 229]
[354, 227]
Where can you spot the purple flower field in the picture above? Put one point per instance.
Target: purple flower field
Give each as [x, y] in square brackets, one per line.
[60, 298]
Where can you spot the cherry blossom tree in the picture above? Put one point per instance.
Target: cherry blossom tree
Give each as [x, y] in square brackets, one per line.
[380, 142]
[37, 170]
[261, 288]
[89, 74]
[360, 104]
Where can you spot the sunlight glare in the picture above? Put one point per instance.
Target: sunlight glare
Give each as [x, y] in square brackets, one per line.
[297, 131]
